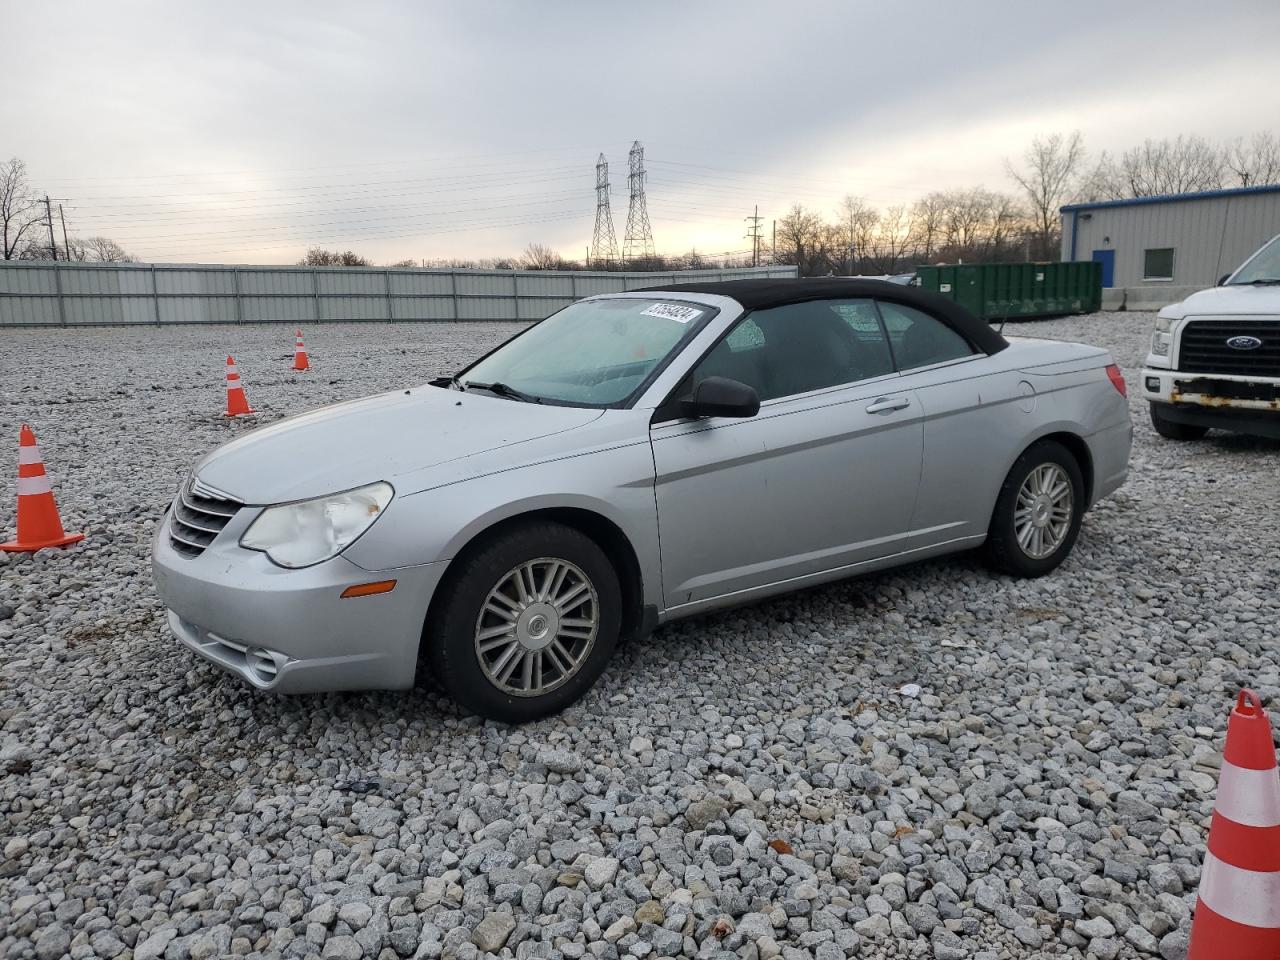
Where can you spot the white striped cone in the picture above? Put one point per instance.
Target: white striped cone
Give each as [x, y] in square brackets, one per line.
[39, 525]
[300, 359]
[237, 402]
[1238, 911]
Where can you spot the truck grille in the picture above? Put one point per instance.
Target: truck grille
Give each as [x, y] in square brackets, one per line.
[198, 516]
[1204, 348]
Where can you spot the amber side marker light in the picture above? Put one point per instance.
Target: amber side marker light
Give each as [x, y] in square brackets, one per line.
[369, 589]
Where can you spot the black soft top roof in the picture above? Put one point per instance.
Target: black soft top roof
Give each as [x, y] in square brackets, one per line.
[763, 294]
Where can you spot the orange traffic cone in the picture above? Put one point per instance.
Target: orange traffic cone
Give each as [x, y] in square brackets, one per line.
[300, 360]
[1238, 910]
[237, 402]
[38, 523]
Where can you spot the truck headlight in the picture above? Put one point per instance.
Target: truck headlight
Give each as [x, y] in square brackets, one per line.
[312, 531]
[1162, 338]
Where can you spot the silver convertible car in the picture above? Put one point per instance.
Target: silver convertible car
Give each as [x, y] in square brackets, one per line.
[632, 459]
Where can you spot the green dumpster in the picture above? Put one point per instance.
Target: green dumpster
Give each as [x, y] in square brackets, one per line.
[1000, 291]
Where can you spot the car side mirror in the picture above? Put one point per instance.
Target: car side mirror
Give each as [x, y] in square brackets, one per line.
[721, 397]
[1223, 279]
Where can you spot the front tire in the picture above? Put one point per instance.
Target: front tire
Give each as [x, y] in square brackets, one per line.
[1171, 429]
[1038, 512]
[528, 622]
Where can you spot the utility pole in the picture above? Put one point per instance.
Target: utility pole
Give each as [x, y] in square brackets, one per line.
[66, 244]
[753, 234]
[48, 219]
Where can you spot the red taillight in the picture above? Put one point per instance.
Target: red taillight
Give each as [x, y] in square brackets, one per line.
[1117, 379]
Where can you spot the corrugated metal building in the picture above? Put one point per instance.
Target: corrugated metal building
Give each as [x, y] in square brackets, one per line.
[1159, 249]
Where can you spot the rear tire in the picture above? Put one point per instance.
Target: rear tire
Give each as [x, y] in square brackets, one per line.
[1172, 430]
[528, 622]
[1038, 512]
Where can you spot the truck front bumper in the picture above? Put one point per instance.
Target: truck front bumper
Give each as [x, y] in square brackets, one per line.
[1221, 401]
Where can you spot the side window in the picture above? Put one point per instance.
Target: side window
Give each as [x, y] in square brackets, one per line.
[801, 347]
[919, 339]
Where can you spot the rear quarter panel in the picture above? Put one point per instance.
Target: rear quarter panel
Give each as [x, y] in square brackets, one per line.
[977, 426]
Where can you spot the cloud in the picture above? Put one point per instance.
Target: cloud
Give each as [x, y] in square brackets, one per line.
[246, 132]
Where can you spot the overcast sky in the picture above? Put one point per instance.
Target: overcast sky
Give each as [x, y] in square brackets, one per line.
[245, 132]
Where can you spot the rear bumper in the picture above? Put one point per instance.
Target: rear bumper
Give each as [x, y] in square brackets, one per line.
[290, 631]
[1217, 401]
[1109, 449]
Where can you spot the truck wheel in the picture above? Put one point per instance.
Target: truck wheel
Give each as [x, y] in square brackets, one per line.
[1172, 430]
[1038, 512]
[527, 624]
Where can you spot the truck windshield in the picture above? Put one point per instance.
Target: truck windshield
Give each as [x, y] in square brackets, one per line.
[1262, 267]
[594, 353]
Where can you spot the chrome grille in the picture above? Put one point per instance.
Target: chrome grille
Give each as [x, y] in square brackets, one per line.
[198, 516]
[1204, 348]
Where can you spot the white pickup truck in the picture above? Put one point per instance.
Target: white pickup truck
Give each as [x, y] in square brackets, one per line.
[1215, 357]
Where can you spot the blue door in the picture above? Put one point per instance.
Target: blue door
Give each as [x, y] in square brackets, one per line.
[1108, 260]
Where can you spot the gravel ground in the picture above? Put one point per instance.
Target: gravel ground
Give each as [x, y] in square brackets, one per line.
[751, 784]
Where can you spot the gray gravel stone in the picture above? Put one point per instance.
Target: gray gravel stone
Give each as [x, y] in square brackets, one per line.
[750, 783]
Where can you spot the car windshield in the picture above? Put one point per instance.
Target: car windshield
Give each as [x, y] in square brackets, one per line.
[594, 353]
[1262, 267]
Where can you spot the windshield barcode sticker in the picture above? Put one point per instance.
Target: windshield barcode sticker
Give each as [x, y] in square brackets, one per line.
[672, 311]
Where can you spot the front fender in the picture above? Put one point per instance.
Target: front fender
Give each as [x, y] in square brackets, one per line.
[436, 524]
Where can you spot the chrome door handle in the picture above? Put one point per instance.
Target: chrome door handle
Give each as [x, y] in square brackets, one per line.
[888, 404]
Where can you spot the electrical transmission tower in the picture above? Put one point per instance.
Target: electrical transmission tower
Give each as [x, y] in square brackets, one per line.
[604, 242]
[638, 240]
[754, 235]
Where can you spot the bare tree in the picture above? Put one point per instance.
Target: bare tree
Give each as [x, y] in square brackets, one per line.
[319, 257]
[805, 241]
[1181, 165]
[19, 210]
[538, 256]
[1254, 163]
[406, 262]
[856, 223]
[104, 250]
[929, 213]
[1051, 167]
[895, 235]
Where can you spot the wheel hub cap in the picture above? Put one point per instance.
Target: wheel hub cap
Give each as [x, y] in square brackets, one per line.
[537, 626]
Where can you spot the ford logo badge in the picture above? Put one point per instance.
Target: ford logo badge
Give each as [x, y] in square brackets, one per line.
[1244, 343]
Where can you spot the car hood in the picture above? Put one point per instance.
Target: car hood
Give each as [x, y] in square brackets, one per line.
[384, 437]
[1231, 300]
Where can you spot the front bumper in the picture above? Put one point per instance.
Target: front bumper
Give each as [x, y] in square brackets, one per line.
[290, 631]
[1222, 401]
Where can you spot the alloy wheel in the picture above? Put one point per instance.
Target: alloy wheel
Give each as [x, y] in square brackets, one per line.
[1042, 515]
[537, 626]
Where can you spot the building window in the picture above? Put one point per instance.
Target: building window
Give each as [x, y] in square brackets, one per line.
[1157, 264]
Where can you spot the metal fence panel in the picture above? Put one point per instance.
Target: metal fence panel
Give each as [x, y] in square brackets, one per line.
[24, 311]
[117, 293]
[277, 309]
[33, 280]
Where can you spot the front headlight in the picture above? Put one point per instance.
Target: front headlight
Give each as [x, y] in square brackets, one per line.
[301, 534]
[1161, 338]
